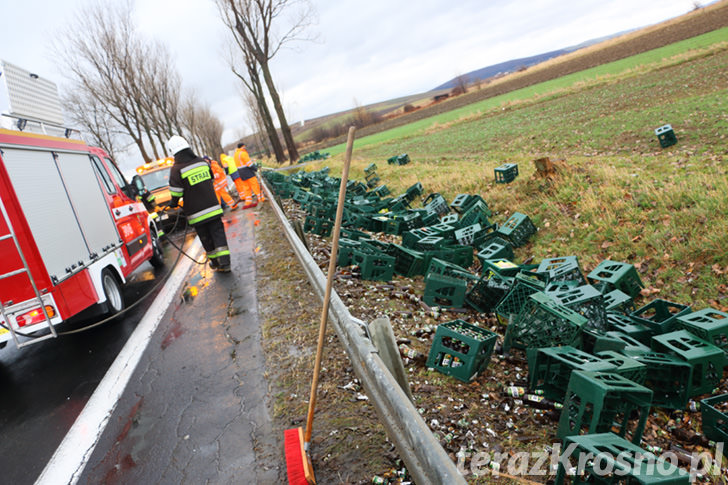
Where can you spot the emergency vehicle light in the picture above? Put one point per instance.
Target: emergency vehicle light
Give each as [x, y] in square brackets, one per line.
[35, 316]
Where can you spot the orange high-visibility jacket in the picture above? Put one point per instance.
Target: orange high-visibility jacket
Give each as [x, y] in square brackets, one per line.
[219, 174]
[242, 159]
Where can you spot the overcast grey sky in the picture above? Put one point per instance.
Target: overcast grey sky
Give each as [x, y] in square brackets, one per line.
[368, 50]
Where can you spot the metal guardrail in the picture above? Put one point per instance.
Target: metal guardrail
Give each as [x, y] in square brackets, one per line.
[426, 461]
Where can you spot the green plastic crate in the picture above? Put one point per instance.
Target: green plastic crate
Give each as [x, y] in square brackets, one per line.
[715, 418]
[506, 173]
[411, 237]
[472, 347]
[666, 136]
[414, 191]
[444, 291]
[445, 231]
[618, 301]
[629, 464]
[488, 291]
[615, 275]
[462, 202]
[374, 266]
[565, 268]
[314, 225]
[616, 340]
[708, 324]
[501, 266]
[459, 255]
[602, 401]
[436, 204]
[544, 323]
[588, 302]
[430, 243]
[623, 323]
[477, 213]
[408, 262]
[706, 359]
[550, 368]
[495, 248]
[344, 256]
[469, 235]
[517, 229]
[660, 315]
[625, 366]
[669, 377]
[447, 268]
[513, 302]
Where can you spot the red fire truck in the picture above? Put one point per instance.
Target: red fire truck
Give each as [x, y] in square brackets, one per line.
[71, 231]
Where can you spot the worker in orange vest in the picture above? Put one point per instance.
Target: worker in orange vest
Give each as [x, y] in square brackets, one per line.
[220, 183]
[248, 181]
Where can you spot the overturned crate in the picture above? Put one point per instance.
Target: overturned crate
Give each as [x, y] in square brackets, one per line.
[603, 401]
[615, 275]
[517, 229]
[544, 323]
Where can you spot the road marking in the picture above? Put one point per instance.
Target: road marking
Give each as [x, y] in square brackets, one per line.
[72, 455]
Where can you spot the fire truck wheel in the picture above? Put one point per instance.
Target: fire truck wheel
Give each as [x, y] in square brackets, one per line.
[157, 259]
[112, 290]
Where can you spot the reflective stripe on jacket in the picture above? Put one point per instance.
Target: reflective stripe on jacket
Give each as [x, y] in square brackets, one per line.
[192, 180]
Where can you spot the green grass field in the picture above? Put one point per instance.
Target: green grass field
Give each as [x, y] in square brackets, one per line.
[620, 196]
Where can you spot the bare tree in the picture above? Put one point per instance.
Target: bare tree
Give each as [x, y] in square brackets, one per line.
[127, 84]
[98, 127]
[253, 22]
[250, 79]
[255, 120]
[461, 85]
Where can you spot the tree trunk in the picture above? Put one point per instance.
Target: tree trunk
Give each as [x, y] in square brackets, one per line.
[270, 128]
[285, 129]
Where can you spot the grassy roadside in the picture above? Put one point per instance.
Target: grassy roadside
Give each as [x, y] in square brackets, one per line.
[621, 197]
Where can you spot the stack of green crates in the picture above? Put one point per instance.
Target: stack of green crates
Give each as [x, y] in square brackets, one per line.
[461, 350]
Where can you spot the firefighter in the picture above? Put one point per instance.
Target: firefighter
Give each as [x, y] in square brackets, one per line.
[191, 178]
[247, 169]
[220, 183]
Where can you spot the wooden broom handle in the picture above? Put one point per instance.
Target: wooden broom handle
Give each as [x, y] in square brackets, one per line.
[329, 281]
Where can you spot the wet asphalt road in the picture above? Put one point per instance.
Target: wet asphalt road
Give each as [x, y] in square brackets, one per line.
[45, 386]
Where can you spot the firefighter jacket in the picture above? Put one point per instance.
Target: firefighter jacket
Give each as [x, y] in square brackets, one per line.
[191, 178]
[246, 167]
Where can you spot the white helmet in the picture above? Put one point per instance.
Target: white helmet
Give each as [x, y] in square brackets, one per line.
[176, 144]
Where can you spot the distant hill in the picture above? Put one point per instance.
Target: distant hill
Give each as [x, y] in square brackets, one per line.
[516, 64]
